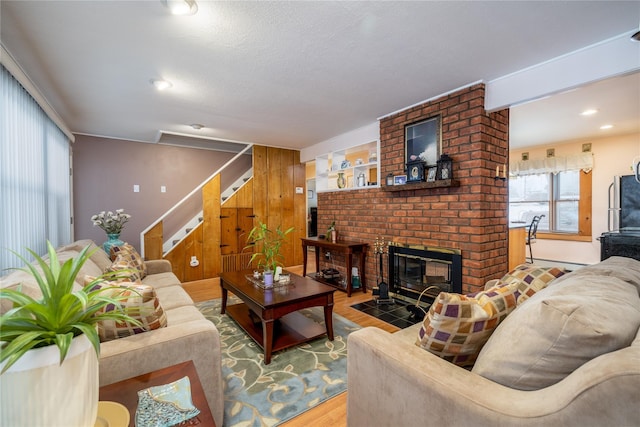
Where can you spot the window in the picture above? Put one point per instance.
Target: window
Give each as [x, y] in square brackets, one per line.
[35, 184]
[564, 198]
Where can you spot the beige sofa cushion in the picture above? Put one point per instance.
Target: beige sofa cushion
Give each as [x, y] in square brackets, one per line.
[561, 328]
[457, 326]
[99, 257]
[161, 280]
[88, 269]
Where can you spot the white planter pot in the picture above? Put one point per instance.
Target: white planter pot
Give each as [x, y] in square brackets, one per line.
[38, 391]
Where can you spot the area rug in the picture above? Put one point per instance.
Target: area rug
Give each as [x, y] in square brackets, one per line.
[296, 380]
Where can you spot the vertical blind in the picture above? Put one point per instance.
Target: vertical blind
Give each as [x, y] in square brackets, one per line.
[35, 181]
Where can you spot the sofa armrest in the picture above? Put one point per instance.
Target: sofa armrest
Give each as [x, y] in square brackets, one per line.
[196, 340]
[392, 382]
[156, 266]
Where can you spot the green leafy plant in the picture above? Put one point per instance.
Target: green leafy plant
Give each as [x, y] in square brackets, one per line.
[331, 228]
[267, 244]
[61, 314]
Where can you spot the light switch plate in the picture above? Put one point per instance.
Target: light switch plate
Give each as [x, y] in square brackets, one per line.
[136, 188]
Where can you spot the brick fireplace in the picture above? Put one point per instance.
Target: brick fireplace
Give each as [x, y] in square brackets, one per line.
[471, 218]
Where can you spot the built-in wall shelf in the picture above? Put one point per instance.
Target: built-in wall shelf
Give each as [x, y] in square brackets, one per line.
[349, 169]
[442, 183]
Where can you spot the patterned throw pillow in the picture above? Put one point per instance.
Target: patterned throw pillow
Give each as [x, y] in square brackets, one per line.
[531, 278]
[457, 326]
[141, 303]
[129, 253]
[124, 269]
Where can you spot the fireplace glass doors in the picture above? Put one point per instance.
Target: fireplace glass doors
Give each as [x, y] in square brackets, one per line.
[413, 269]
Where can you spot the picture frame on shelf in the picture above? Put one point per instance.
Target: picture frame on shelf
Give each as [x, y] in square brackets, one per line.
[423, 141]
[399, 179]
[431, 174]
[415, 171]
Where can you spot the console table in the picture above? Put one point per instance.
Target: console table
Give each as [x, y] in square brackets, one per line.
[342, 246]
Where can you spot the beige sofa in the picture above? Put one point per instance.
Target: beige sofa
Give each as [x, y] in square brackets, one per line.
[188, 335]
[393, 382]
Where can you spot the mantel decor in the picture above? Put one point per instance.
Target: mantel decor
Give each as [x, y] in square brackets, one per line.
[445, 168]
[415, 171]
[423, 141]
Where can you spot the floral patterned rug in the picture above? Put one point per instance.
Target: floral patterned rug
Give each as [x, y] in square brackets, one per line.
[297, 379]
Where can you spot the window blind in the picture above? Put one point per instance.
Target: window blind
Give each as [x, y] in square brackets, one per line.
[35, 183]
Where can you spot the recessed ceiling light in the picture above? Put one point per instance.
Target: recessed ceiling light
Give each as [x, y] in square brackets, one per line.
[197, 126]
[605, 127]
[589, 112]
[181, 7]
[161, 84]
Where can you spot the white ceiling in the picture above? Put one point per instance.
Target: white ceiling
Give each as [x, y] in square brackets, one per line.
[292, 74]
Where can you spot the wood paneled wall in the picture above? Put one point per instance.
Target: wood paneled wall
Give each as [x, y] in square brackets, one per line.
[272, 196]
[276, 175]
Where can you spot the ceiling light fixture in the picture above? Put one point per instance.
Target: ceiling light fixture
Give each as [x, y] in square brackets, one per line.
[589, 112]
[181, 7]
[605, 127]
[197, 126]
[161, 84]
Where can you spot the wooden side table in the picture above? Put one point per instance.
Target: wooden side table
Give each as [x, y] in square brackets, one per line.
[126, 391]
[346, 247]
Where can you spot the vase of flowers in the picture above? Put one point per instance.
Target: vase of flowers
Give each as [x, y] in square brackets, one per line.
[112, 223]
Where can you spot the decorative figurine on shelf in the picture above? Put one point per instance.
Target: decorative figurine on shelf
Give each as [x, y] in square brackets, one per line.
[445, 168]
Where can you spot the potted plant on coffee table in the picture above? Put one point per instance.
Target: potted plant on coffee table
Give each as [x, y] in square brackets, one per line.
[267, 244]
[49, 347]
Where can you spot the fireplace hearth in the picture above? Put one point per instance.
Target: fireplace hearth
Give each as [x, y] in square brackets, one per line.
[421, 272]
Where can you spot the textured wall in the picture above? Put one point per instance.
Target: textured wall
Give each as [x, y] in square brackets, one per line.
[105, 171]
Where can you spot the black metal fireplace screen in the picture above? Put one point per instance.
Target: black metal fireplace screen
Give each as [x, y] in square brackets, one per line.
[412, 269]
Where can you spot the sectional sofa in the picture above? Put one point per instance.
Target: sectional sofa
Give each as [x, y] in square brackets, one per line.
[187, 335]
[567, 356]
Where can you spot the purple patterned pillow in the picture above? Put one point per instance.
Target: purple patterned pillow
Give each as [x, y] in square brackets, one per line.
[457, 326]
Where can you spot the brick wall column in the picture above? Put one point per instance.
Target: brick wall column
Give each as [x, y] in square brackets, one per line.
[472, 217]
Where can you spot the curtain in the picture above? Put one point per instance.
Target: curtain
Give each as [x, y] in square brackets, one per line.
[553, 165]
[35, 181]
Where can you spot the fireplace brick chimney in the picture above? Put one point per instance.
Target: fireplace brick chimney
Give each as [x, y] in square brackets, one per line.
[472, 217]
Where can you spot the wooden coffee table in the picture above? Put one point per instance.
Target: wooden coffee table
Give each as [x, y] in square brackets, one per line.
[271, 317]
[126, 391]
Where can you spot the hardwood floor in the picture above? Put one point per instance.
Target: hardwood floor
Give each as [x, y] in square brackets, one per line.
[334, 411]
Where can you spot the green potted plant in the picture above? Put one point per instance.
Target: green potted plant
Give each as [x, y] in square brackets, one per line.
[267, 244]
[52, 344]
